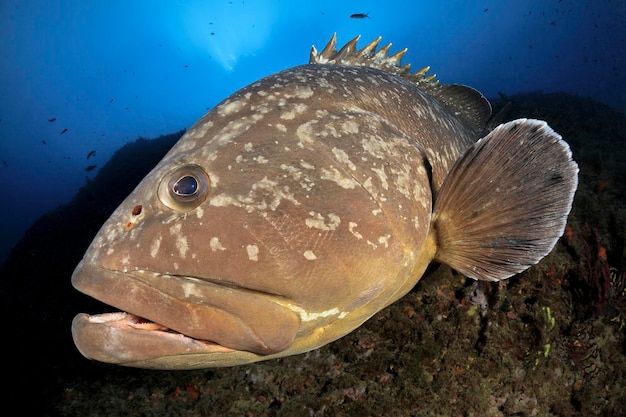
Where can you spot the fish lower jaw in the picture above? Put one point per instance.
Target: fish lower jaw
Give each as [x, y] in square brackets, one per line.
[122, 338]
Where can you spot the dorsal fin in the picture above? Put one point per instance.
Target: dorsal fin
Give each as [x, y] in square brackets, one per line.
[470, 105]
[369, 57]
[467, 103]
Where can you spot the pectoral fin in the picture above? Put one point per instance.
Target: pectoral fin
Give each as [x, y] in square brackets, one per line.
[504, 204]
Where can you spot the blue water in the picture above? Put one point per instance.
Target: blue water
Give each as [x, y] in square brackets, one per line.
[91, 76]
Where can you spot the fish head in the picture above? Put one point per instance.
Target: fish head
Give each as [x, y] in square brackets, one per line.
[281, 221]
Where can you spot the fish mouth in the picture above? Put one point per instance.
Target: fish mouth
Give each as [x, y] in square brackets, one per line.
[123, 338]
[170, 315]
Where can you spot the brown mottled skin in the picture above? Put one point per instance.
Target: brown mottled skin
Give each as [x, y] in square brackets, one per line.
[317, 212]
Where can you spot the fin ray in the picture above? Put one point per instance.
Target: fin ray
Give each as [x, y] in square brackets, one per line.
[504, 204]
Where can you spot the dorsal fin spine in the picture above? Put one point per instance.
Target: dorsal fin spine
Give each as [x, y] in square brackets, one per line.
[368, 56]
[370, 47]
[330, 46]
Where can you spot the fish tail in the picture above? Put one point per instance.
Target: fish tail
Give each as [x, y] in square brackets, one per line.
[504, 204]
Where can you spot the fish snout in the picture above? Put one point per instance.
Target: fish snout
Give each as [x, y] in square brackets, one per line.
[235, 318]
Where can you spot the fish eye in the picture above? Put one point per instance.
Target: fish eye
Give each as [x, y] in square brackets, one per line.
[184, 188]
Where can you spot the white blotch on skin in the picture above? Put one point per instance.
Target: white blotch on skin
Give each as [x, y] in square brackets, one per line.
[306, 165]
[112, 233]
[309, 255]
[306, 316]
[298, 176]
[223, 200]
[235, 129]
[201, 130]
[350, 126]
[337, 177]
[183, 146]
[343, 157]
[293, 171]
[323, 82]
[181, 245]
[299, 108]
[382, 176]
[181, 241]
[321, 114]
[268, 187]
[318, 221]
[367, 184]
[253, 252]
[230, 107]
[154, 247]
[188, 289]
[215, 244]
[303, 92]
[305, 133]
[351, 227]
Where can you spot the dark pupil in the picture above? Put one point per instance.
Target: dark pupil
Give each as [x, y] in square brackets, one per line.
[187, 185]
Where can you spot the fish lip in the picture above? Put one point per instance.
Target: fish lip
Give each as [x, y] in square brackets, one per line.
[216, 315]
[96, 337]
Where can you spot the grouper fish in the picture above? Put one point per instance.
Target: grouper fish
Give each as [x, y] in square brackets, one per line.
[308, 201]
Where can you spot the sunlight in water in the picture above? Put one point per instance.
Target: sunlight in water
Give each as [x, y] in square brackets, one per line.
[210, 29]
